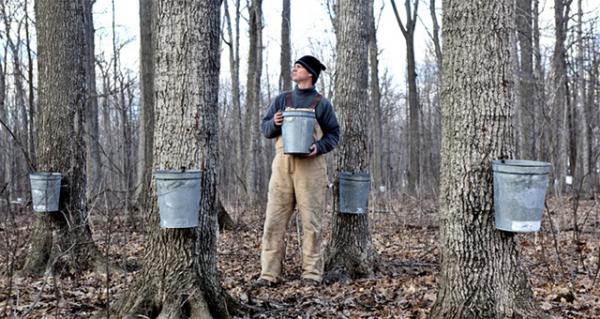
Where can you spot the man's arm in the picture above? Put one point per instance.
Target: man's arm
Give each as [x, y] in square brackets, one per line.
[268, 126]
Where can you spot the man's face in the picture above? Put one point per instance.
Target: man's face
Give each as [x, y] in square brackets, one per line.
[299, 73]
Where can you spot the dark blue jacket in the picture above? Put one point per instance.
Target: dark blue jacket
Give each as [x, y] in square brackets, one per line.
[302, 98]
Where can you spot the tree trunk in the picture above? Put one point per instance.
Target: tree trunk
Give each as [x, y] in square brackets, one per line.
[414, 136]
[94, 163]
[541, 140]
[526, 79]
[146, 128]
[377, 140]
[559, 95]
[252, 99]
[179, 278]
[581, 118]
[350, 252]
[4, 142]
[481, 275]
[285, 76]
[62, 241]
[30, 79]
[593, 92]
[234, 67]
[20, 120]
[436, 37]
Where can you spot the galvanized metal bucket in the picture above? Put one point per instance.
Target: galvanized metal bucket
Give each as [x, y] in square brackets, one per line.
[519, 194]
[354, 192]
[297, 131]
[178, 195]
[45, 191]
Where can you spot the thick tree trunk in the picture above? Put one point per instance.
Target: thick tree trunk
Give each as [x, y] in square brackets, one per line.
[179, 278]
[285, 76]
[146, 128]
[62, 241]
[481, 275]
[350, 252]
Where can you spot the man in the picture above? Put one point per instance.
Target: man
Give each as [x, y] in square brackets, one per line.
[300, 180]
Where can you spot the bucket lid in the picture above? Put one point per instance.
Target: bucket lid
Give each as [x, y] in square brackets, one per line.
[177, 174]
[45, 175]
[359, 176]
[521, 167]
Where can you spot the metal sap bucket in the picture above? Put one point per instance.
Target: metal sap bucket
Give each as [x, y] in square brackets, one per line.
[178, 195]
[297, 131]
[354, 192]
[519, 194]
[45, 191]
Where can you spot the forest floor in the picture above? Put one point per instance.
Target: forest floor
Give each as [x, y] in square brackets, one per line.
[563, 271]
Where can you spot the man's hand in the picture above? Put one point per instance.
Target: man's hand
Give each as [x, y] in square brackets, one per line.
[278, 119]
[313, 151]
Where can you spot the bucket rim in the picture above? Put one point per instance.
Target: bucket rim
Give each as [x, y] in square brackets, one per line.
[521, 163]
[299, 114]
[45, 175]
[358, 176]
[177, 174]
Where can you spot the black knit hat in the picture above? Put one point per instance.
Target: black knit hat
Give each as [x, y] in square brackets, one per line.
[312, 65]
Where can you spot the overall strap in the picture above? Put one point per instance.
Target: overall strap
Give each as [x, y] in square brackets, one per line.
[316, 101]
[288, 99]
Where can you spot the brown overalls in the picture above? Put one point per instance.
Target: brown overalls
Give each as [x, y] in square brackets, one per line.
[301, 181]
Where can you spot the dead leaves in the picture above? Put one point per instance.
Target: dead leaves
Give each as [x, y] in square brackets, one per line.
[404, 287]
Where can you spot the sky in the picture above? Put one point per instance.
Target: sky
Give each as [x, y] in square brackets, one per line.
[310, 26]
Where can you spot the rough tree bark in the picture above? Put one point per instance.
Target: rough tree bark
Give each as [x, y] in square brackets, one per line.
[62, 240]
[350, 252]
[285, 59]
[179, 278]
[414, 137]
[146, 128]
[481, 275]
